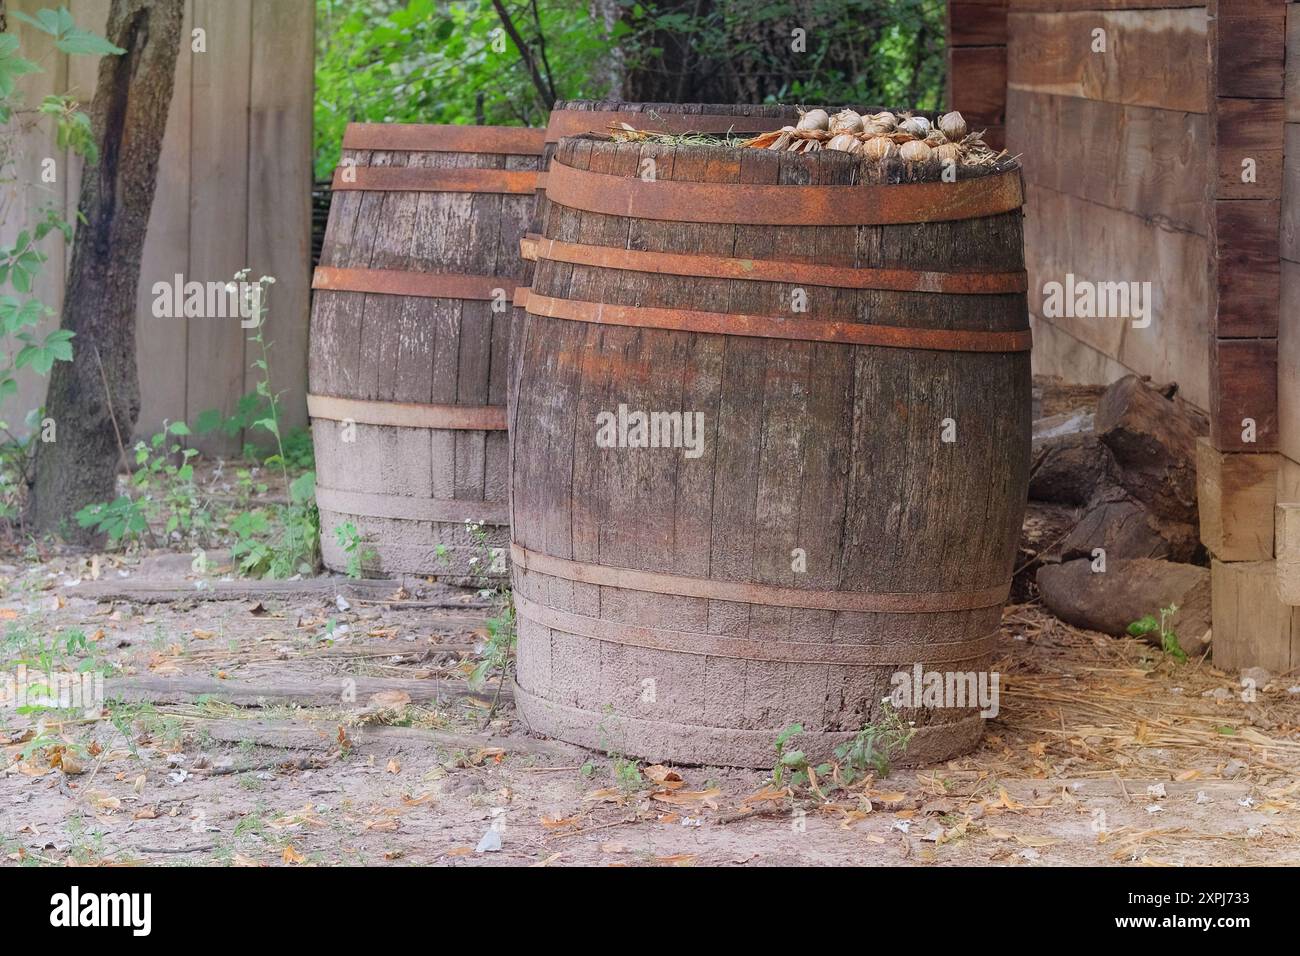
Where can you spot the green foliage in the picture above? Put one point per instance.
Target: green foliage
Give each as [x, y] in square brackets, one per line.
[858, 52]
[403, 61]
[787, 760]
[352, 542]
[166, 501]
[1168, 639]
[22, 345]
[874, 748]
[430, 61]
[68, 37]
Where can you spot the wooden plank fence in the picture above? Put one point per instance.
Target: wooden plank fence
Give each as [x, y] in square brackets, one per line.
[234, 191]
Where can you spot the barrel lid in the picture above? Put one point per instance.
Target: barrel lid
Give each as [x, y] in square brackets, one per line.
[431, 138]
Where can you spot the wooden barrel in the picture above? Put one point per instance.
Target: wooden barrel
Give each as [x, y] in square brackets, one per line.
[409, 341]
[851, 345]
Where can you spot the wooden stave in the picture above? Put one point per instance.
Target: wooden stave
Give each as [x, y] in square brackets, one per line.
[593, 688]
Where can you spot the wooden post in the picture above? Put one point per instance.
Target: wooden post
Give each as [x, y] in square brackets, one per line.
[977, 65]
[1237, 466]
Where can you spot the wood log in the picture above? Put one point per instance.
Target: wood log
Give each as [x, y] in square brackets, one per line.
[1153, 441]
[328, 692]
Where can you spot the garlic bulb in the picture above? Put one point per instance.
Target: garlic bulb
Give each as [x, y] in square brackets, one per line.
[886, 119]
[873, 128]
[879, 147]
[846, 121]
[918, 126]
[934, 139]
[814, 119]
[914, 152]
[953, 125]
[845, 142]
[948, 152]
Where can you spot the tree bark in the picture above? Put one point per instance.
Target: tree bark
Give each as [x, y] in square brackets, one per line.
[94, 400]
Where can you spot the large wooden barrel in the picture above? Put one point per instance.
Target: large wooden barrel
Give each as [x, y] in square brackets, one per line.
[409, 341]
[852, 507]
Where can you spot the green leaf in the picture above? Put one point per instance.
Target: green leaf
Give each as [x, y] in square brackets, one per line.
[47, 21]
[80, 42]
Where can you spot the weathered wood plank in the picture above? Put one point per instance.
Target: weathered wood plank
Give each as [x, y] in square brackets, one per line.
[977, 24]
[1152, 164]
[1288, 366]
[978, 84]
[1244, 393]
[324, 692]
[1245, 273]
[1152, 57]
[1247, 47]
[1105, 245]
[1247, 136]
[162, 343]
[218, 205]
[1291, 81]
[1062, 6]
[1235, 497]
[1252, 627]
[279, 191]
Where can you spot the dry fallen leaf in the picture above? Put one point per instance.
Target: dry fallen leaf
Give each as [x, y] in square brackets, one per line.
[682, 798]
[558, 823]
[394, 766]
[664, 777]
[290, 855]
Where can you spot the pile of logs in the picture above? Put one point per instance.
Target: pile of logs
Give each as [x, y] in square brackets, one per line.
[1111, 533]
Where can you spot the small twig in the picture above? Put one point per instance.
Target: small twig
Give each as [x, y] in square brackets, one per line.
[117, 432]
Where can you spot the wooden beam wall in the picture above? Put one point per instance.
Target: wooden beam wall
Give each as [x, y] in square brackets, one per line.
[1113, 140]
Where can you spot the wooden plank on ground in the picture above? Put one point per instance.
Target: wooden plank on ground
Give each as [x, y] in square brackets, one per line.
[325, 692]
[145, 590]
[1151, 57]
[323, 735]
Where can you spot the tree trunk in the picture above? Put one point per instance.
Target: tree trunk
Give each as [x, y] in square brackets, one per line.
[94, 400]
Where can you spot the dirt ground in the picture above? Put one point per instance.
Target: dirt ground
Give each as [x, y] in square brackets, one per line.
[323, 722]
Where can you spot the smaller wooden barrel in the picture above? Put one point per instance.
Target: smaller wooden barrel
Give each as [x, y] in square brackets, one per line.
[409, 346]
